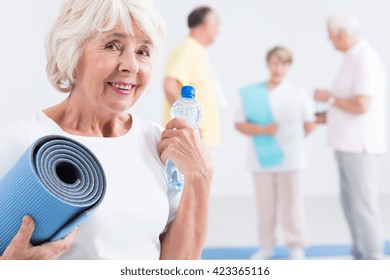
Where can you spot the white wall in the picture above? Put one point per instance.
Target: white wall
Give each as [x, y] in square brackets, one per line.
[249, 28]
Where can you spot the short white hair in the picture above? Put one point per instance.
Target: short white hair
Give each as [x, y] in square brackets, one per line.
[344, 21]
[81, 19]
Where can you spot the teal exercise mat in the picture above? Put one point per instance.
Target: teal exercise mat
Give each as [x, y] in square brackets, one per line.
[58, 182]
[257, 109]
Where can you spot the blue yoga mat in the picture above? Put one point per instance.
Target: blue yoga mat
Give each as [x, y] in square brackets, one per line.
[58, 182]
[257, 109]
[313, 251]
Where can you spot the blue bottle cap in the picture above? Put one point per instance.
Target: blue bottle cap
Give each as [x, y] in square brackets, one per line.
[188, 92]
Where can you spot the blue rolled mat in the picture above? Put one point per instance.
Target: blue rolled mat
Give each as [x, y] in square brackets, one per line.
[58, 182]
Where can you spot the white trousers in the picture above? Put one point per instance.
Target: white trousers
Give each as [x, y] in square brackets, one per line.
[279, 194]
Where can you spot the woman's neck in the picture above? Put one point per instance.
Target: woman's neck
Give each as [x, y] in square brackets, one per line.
[88, 122]
[273, 84]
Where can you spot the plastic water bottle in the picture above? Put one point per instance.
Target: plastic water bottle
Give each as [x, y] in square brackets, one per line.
[188, 109]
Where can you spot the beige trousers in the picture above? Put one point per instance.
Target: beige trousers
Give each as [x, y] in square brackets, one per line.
[278, 195]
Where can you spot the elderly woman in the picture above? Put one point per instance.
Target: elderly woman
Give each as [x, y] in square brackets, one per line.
[280, 113]
[102, 53]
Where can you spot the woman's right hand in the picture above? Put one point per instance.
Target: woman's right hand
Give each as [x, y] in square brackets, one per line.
[270, 130]
[180, 143]
[21, 248]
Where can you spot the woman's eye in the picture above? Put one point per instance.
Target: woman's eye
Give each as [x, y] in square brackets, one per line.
[112, 47]
[144, 52]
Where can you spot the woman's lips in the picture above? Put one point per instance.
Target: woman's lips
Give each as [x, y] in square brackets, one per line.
[122, 88]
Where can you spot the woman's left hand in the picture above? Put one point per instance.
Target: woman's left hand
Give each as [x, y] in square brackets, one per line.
[181, 144]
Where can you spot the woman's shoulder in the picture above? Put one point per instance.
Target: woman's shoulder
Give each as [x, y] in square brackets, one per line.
[24, 129]
[17, 127]
[15, 139]
[14, 130]
[146, 126]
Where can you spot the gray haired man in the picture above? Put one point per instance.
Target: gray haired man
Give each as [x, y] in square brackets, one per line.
[356, 125]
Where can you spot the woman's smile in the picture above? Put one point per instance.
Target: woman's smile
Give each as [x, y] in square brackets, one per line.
[122, 88]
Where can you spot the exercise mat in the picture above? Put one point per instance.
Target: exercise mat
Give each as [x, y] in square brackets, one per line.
[58, 182]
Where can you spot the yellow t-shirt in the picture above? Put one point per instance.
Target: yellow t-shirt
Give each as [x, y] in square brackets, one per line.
[188, 64]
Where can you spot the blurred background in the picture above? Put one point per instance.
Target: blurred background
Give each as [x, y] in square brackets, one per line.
[248, 29]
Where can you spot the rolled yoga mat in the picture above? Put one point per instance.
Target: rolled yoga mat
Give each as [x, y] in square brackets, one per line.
[58, 182]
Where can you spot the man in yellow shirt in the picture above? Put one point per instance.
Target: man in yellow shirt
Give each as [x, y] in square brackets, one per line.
[188, 65]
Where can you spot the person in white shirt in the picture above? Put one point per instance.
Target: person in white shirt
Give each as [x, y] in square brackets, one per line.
[101, 52]
[356, 125]
[278, 187]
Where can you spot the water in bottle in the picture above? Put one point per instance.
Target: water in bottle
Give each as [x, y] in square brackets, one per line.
[188, 109]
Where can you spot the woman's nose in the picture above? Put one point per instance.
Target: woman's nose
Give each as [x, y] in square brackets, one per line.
[129, 63]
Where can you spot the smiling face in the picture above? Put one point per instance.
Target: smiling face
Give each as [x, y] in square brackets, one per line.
[114, 70]
[278, 68]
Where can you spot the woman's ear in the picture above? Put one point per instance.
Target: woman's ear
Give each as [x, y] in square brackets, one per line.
[74, 73]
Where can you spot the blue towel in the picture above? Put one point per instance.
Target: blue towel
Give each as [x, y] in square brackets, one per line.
[257, 109]
[58, 182]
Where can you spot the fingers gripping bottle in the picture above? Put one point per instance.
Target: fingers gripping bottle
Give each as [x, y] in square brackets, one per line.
[188, 109]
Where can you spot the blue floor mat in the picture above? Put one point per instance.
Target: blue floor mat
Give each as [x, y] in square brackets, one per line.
[235, 253]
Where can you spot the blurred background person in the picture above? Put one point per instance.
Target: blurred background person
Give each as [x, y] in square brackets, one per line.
[278, 186]
[356, 126]
[188, 64]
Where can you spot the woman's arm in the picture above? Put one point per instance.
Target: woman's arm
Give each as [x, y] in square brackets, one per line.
[252, 129]
[20, 247]
[186, 235]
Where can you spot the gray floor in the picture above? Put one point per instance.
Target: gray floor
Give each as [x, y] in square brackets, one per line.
[233, 221]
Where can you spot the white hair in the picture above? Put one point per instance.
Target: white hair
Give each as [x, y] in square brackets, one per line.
[81, 19]
[344, 21]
